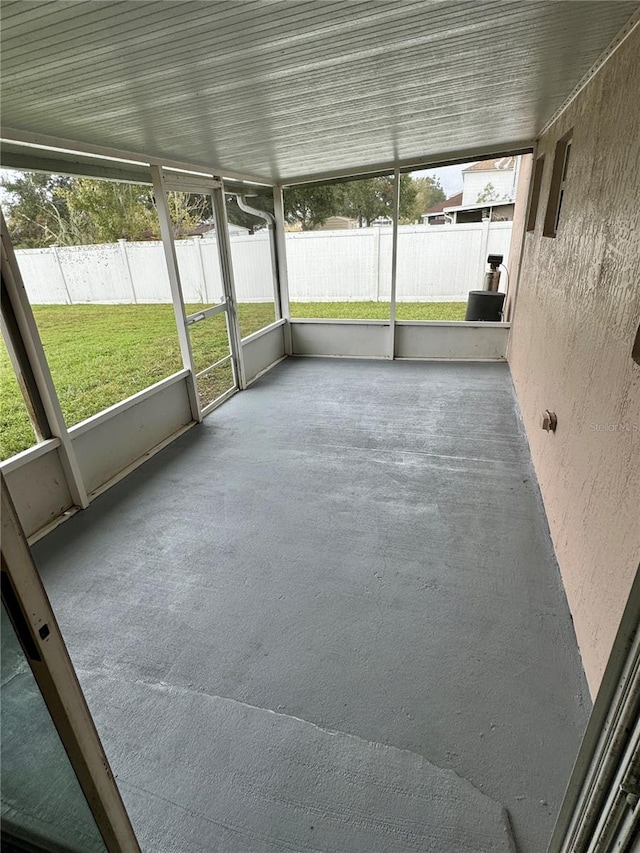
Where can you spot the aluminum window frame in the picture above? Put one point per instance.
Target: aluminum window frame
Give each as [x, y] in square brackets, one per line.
[37, 629]
[536, 190]
[557, 189]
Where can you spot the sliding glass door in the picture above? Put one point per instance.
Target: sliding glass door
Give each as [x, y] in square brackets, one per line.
[57, 791]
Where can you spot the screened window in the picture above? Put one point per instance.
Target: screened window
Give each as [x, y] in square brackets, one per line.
[535, 194]
[558, 186]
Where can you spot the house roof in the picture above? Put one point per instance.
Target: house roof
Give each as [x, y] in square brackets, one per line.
[502, 164]
[440, 206]
[290, 90]
[486, 205]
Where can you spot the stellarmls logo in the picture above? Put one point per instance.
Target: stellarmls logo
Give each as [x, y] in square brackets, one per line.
[622, 426]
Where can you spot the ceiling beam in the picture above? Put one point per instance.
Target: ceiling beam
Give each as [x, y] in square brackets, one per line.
[431, 161]
[68, 146]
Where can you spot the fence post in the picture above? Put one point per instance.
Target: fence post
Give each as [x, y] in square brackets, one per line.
[54, 249]
[125, 257]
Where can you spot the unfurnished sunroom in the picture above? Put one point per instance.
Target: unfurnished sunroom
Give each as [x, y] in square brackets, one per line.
[333, 568]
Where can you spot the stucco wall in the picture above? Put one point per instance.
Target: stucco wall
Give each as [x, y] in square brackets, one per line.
[576, 319]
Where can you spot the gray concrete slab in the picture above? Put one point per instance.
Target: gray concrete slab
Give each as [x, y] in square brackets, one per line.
[232, 778]
[357, 544]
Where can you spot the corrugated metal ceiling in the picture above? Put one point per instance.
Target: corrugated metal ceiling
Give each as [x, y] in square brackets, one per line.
[284, 89]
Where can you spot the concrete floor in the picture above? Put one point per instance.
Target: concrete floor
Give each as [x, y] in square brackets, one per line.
[356, 544]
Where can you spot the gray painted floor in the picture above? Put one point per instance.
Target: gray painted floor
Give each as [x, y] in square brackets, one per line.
[232, 778]
[357, 544]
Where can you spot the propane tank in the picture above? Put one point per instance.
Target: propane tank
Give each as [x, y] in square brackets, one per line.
[492, 276]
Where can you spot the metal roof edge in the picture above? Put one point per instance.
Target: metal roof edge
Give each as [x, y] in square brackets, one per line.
[431, 161]
[47, 146]
[606, 54]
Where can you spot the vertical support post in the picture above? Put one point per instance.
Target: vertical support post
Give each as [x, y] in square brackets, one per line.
[125, 257]
[166, 230]
[22, 369]
[377, 242]
[283, 278]
[394, 263]
[226, 269]
[26, 344]
[275, 273]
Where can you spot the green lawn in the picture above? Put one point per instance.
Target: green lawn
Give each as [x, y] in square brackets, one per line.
[380, 310]
[100, 354]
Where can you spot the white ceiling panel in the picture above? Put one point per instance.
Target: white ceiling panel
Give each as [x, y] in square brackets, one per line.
[284, 89]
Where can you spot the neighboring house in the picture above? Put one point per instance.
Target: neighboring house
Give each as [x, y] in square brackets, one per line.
[488, 192]
[337, 223]
[436, 215]
[207, 230]
[489, 180]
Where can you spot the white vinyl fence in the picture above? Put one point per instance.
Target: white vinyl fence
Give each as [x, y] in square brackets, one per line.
[436, 263]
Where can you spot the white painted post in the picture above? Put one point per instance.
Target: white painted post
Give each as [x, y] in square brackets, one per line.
[283, 277]
[54, 249]
[275, 274]
[47, 403]
[166, 229]
[394, 264]
[484, 246]
[226, 270]
[125, 258]
[376, 237]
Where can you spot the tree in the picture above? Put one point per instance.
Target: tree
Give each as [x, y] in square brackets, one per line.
[309, 205]
[36, 208]
[364, 200]
[428, 192]
[43, 210]
[489, 193]
[187, 210]
[369, 199]
[104, 211]
[408, 196]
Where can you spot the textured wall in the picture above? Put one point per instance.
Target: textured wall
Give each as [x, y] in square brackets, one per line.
[577, 315]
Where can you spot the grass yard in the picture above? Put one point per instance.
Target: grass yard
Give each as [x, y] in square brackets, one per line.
[380, 310]
[100, 354]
